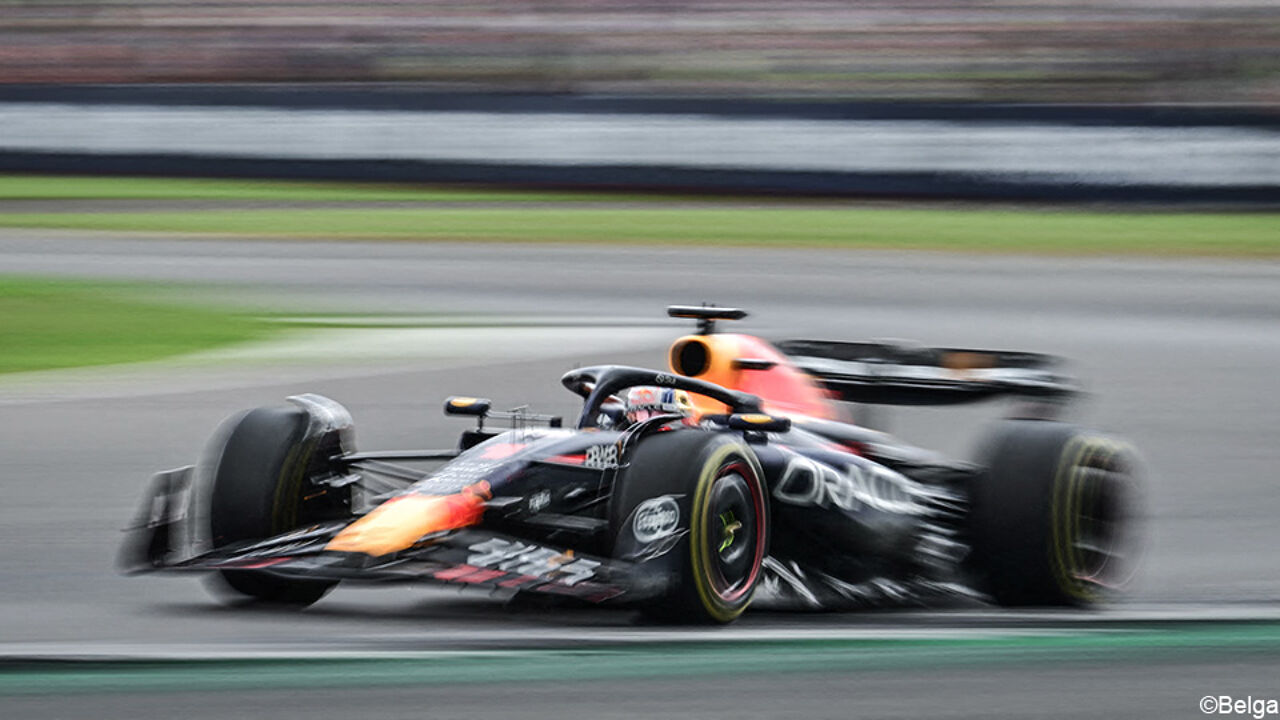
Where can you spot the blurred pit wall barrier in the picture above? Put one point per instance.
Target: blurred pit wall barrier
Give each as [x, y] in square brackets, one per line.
[1011, 152]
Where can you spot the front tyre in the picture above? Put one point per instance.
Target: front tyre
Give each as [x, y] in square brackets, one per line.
[717, 483]
[263, 463]
[1053, 520]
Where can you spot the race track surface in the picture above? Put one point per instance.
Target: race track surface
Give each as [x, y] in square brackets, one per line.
[1181, 358]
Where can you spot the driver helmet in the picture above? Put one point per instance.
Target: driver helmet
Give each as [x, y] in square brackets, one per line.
[644, 402]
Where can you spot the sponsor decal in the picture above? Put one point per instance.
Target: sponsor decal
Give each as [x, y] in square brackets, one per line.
[656, 518]
[601, 457]
[539, 500]
[809, 482]
[532, 560]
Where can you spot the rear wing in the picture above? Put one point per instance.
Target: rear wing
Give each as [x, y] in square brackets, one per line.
[892, 374]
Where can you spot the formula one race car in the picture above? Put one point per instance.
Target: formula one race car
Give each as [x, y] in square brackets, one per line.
[684, 492]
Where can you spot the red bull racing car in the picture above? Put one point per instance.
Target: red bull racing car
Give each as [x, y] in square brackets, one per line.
[688, 492]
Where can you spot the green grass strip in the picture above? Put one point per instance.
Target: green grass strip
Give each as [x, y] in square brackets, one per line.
[1240, 641]
[47, 324]
[74, 187]
[901, 229]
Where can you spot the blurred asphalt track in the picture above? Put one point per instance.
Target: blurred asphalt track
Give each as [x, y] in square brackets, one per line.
[1182, 356]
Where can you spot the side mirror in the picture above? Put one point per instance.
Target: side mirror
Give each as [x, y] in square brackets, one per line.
[476, 407]
[759, 422]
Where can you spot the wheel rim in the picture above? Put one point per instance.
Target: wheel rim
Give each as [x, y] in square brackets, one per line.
[1098, 533]
[734, 534]
[1100, 518]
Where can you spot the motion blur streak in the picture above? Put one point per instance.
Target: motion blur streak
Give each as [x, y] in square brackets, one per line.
[996, 50]
[1062, 151]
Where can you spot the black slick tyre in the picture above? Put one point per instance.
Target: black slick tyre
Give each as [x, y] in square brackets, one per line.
[1052, 519]
[718, 485]
[261, 488]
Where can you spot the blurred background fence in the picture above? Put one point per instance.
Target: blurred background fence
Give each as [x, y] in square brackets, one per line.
[1097, 99]
[1131, 51]
[883, 150]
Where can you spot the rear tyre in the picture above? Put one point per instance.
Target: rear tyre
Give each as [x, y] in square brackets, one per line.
[717, 483]
[1053, 518]
[261, 487]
